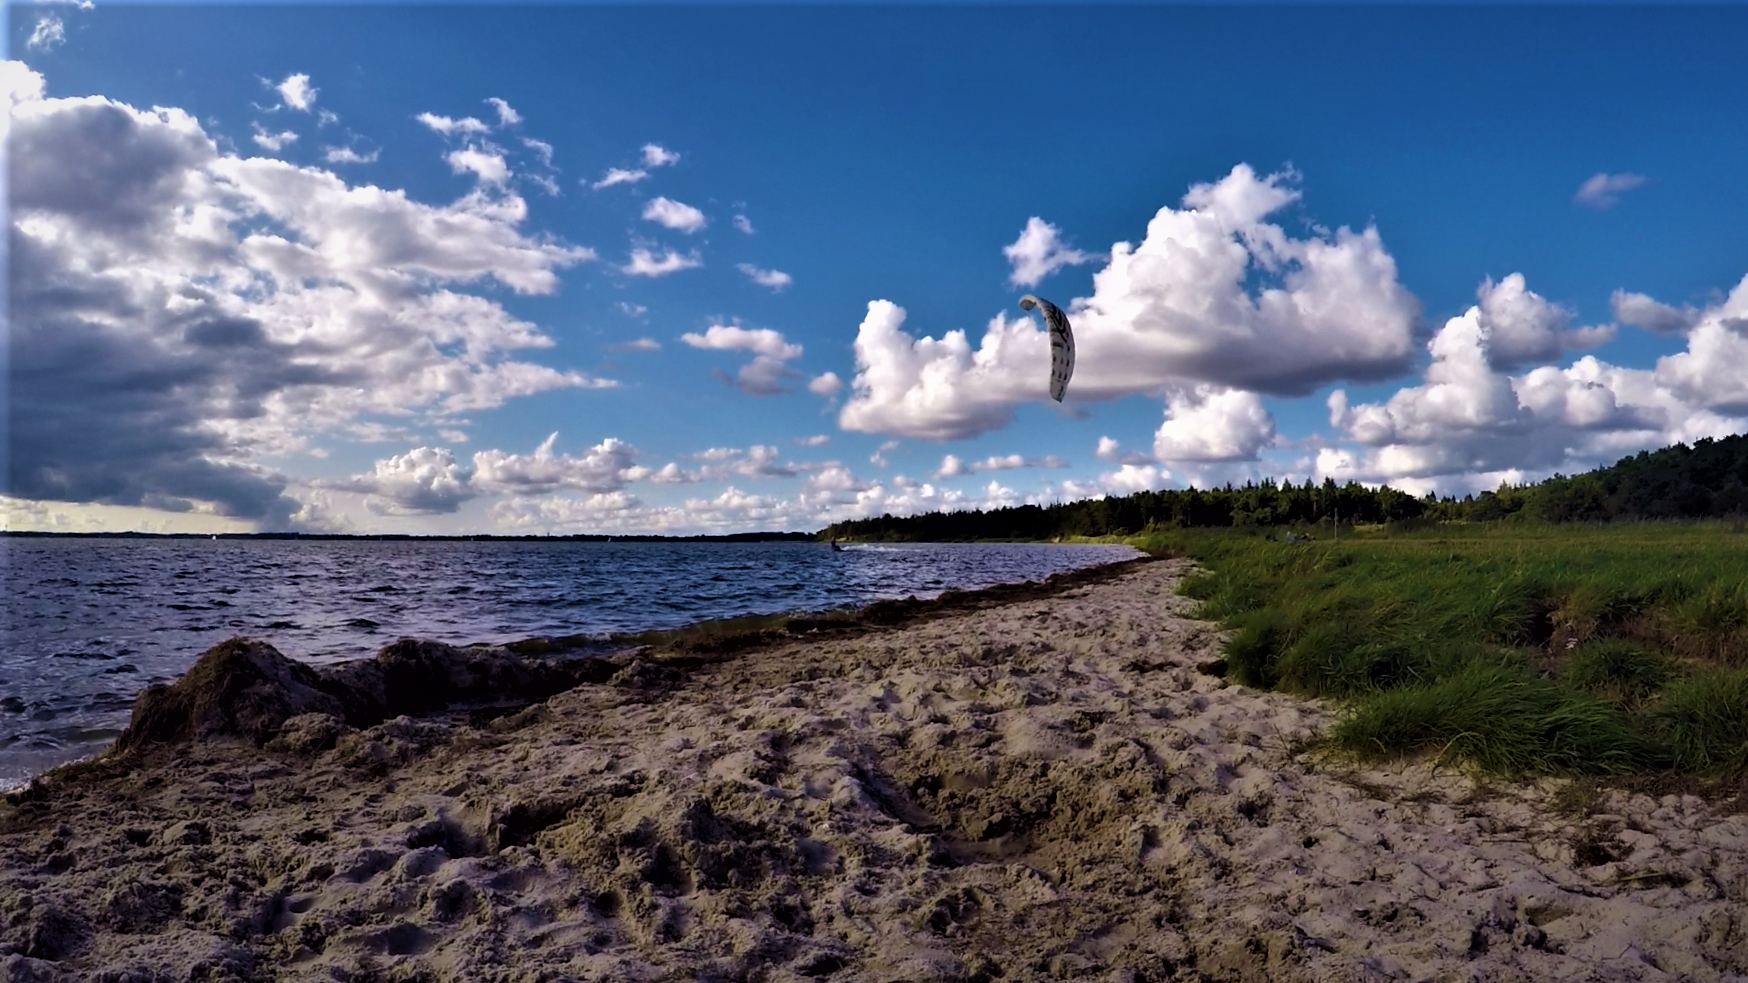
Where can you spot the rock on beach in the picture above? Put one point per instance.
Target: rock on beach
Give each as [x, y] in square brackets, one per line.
[1035, 784]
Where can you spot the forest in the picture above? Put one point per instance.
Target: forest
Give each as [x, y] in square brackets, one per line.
[1708, 479]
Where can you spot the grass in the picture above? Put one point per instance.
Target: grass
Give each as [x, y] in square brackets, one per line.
[1576, 650]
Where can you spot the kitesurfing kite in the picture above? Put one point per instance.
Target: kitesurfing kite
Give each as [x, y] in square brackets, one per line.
[1061, 343]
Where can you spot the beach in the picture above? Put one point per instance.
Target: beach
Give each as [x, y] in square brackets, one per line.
[1053, 782]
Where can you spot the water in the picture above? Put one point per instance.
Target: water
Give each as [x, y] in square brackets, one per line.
[86, 623]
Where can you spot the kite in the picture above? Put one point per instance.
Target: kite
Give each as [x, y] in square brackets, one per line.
[1061, 343]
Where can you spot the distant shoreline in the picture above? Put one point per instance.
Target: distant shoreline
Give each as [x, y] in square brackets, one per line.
[738, 537]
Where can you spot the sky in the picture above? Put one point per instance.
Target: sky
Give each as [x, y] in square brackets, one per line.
[703, 269]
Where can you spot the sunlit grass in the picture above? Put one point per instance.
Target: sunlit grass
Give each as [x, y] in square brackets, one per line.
[1567, 649]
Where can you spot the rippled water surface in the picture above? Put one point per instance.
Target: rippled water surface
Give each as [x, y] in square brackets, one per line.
[86, 623]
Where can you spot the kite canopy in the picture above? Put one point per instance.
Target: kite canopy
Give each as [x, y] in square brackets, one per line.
[1061, 343]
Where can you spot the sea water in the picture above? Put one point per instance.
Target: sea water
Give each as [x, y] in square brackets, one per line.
[86, 623]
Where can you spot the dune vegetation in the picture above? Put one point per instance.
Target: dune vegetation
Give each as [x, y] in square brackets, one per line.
[1518, 648]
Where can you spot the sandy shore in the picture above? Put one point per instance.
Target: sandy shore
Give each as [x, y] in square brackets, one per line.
[1049, 788]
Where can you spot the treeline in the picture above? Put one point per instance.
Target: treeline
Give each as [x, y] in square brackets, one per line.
[1708, 479]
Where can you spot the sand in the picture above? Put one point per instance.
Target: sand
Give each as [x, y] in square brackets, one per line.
[1054, 786]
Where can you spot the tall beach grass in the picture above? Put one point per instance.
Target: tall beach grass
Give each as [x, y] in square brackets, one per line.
[1516, 648]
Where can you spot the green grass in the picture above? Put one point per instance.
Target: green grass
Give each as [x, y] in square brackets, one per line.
[1516, 648]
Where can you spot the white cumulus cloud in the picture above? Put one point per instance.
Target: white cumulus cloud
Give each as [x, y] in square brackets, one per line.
[655, 155]
[767, 374]
[190, 312]
[1641, 311]
[49, 34]
[605, 467]
[1039, 252]
[446, 126]
[952, 466]
[273, 142]
[1210, 423]
[645, 263]
[489, 167]
[674, 214]
[297, 93]
[825, 384]
[507, 115]
[1470, 422]
[1522, 327]
[346, 155]
[423, 481]
[775, 279]
[1213, 295]
[617, 175]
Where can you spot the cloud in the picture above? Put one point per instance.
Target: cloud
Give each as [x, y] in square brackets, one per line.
[296, 92]
[1132, 478]
[672, 474]
[878, 458]
[1039, 252]
[634, 310]
[757, 461]
[732, 510]
[1110, 450]
[1710, 374]
[1604, 190]
[952, 466]
[830, 492]
[825, 384]
[1641, 311]
[346, 155]
[763, 341]
[190, 313]
[1213, 295]
[449, 127]
[775, 279]
[1522, 327]
[540, 148]
[273, 142]
[744, 224]
[423, 481]
[619, 176]
[675, 215]
[833, 479]
[608, 466]
[767, 374]
[49, 34]
[1470, 421]
[636, 345]
[489, 167]
[655, 155]
[645, 263]
[1209, 423]
[920, 387]
[507, 116]
[428, 480]
[817, 440]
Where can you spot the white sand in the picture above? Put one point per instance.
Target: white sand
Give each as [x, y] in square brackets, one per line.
[1044, 790]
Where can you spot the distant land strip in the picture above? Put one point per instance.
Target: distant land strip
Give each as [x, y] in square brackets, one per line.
[738, 537]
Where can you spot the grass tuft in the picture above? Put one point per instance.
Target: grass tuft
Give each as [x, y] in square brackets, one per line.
[1617, 669]
[1704, 720]
[1518, 648]
[1501, 719]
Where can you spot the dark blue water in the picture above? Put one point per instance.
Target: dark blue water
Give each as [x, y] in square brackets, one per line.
[85, 623]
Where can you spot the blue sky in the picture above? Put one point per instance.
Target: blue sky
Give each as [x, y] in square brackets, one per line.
[333, 267]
